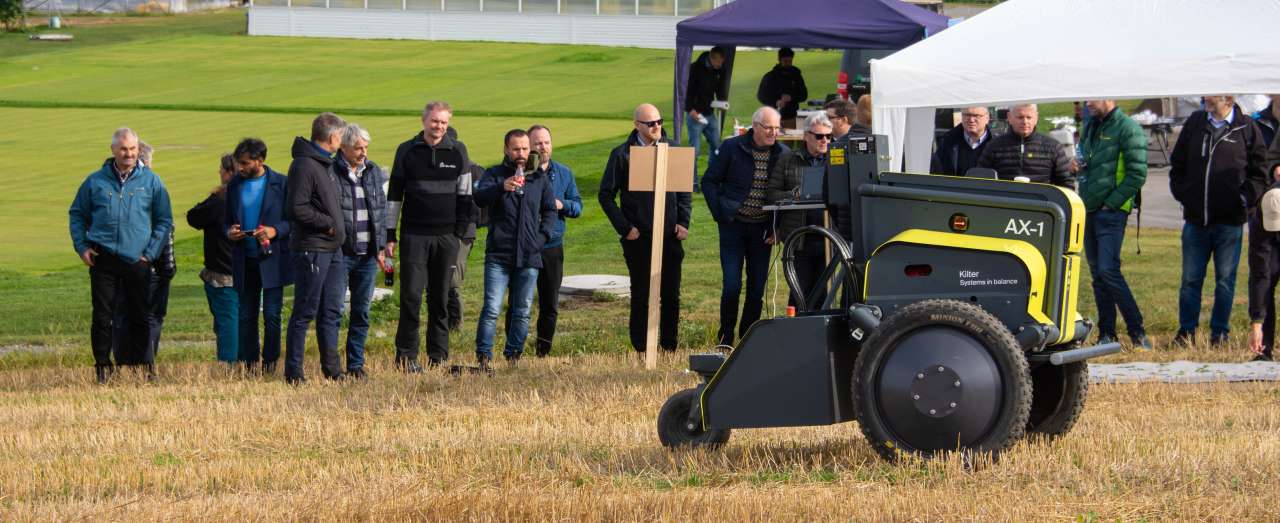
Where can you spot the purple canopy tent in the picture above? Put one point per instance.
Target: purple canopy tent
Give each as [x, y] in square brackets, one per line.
[810, 24]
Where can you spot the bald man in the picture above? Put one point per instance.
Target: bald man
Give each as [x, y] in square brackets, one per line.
[631, 214]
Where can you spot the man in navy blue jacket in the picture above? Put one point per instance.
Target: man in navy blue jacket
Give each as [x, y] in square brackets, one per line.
[736, 188]
[120, 220]
[256, 210]
[568, 205]
[522, 217]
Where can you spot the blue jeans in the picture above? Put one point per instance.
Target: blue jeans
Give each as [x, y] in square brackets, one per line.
[497, 278]
[224, 305]
[697, 131]
[271, 301]
[1103, 237]
[742, 243]
[1199, 243]
[360, 274]
[317, 296]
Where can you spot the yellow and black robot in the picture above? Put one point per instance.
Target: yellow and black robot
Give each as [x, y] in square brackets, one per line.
[945, 320]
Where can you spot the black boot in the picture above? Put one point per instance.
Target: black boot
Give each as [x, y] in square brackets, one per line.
[103, 373]
[152, 377]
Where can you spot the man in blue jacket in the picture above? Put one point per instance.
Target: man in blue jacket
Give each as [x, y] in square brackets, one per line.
[522, 218]
[568, 205]
[736, 188]
[120, 220]
[256, 211]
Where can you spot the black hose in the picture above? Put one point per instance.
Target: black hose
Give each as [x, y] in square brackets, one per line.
[852, 277]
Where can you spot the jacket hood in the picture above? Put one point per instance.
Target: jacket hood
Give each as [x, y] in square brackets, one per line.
[302, 148]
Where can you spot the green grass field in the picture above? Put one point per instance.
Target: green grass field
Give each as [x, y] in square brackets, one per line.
[194, 85]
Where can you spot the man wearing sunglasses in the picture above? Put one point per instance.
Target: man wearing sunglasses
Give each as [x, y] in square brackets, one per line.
[959, 149]
[631, 214]
[785, 181]
[735, 186]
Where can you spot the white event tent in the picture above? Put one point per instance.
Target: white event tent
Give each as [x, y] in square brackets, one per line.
[1062, 50]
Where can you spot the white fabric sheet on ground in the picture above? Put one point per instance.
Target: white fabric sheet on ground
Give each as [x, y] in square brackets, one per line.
[1183, 372]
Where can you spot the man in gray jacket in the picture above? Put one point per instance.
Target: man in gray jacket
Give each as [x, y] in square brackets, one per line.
[314, 207]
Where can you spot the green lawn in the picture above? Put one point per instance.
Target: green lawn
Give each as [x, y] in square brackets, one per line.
[114, 75]
[205, 62]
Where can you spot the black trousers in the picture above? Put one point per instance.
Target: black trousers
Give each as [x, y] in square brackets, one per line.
[110, 277]
[426, 263]
[549, 278]
[636, 253]
[157, 307]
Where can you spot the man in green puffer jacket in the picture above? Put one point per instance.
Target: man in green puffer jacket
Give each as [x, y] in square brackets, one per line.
[1114, 167]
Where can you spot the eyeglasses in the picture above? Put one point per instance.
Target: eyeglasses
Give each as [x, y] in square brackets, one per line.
[651, 124]
[766, 128]
[819, 136]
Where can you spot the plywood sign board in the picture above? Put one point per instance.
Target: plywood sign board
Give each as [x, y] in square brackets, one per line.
[680, 162]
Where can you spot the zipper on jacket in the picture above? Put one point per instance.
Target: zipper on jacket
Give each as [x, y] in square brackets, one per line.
[1208, 165]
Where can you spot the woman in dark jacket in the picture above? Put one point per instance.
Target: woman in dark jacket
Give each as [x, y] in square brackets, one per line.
[219, 285]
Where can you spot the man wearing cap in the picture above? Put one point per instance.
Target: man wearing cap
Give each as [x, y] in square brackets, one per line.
[1114, 148]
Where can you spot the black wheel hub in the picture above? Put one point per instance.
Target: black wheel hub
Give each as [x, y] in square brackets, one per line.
[939, 388]
[936, 391]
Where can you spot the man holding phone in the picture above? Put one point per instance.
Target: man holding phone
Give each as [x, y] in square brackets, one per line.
[256, 203]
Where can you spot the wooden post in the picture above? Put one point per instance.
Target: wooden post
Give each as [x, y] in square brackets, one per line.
[655, 254]
[660, 169]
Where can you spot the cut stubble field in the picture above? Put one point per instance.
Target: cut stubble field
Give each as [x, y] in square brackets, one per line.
[571, 437]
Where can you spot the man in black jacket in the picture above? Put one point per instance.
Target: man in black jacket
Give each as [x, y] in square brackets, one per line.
[1024, 152]
[431, 182]
[314, 208]
[783, 88]
[1217, 172]
[959, 149]
[219, 287]
[706, 85]
[522, 218]
[633, 221]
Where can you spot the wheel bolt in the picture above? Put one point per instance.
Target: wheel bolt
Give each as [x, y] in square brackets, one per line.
[915, 396]
[957, 383]
[940, 369]
[920, 376]
[953, 404]
[933, 411]
[691, 426]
